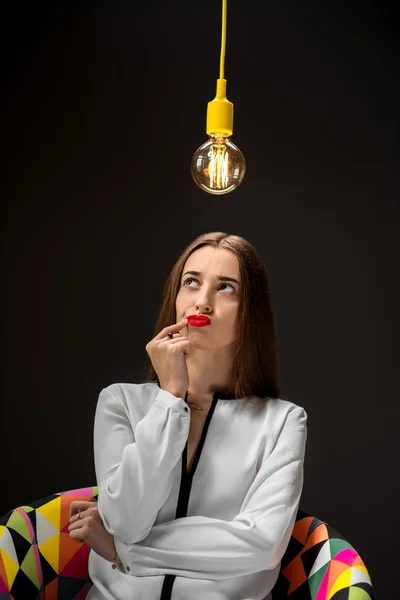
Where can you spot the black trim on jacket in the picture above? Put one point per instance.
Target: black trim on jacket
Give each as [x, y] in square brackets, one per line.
[186, 483]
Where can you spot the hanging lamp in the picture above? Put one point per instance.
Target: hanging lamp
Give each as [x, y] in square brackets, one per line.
[218, 166]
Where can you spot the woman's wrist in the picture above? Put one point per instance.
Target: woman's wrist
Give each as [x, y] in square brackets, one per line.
[116, 561]
[113, 553]
[175, 392]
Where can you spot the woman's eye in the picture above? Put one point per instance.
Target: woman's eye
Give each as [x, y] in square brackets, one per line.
[231, 286]
[191, 279]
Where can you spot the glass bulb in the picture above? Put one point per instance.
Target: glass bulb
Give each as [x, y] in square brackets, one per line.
[218, 166]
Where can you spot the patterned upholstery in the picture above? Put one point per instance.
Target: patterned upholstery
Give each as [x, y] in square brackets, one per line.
[320, 565]
[39, 560]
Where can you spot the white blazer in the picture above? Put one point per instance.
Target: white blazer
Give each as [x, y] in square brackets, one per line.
[216, 533]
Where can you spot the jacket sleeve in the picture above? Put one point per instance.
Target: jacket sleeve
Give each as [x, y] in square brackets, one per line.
[133, 461]
[255, 540]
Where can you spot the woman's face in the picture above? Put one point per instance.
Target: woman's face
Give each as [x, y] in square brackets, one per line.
[210, 285]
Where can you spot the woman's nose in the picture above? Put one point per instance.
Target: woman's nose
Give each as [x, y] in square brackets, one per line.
[203, 308]
[203, 302]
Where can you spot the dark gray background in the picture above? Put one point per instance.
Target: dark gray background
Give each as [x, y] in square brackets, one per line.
[103, 106]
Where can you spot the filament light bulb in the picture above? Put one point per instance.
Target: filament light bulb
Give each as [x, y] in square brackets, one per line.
[218, 166]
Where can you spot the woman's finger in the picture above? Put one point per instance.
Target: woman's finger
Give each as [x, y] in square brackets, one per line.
[74, 525]
[176, 340]
[77, 517]
[79, 505]
[173, 336]
[171, 329]
[76, 536]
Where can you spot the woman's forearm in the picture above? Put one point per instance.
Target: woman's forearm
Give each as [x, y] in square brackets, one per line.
[134, 471]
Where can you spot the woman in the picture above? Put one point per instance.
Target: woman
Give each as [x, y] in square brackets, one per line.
[200, 469]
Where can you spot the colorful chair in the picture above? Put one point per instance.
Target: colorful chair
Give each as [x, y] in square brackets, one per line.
[320, 565]
[39, 560]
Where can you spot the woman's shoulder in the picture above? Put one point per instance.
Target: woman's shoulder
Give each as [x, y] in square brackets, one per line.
[130, 393]
[287, 412]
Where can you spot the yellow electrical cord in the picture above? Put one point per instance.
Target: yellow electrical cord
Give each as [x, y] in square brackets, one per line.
[220, 110]
[223, 40]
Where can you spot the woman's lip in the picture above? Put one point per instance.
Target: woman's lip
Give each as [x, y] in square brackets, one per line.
[199, 320]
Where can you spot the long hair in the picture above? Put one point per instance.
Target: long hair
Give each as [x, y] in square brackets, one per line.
[254, 366]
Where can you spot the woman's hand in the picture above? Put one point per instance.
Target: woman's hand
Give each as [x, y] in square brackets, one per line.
[86, 526]
[168, 357]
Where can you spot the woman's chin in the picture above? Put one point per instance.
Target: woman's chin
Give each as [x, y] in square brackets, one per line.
[198, 339]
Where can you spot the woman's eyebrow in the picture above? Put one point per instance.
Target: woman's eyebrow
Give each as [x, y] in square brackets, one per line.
[221, 277]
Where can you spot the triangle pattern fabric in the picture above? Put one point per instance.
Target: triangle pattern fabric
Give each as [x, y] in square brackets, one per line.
[310, 555]
[48, 573]
[331, 569]
[83, 593]
[45, 529]
[4, 586]
[39, 559]
[347, 556]
[77, 566]
[50, 550]
[21, 546]
[69, 587]
[315, 580]
[23, 587]
[339, 577]
[20, 523]
[293, 550]
[31, 518]
[65, 528]
[51, 589]
[360, 592]
[319, 534]
[7, 544]
[341, 595]
[27, 509]
[315, 523]
[51, 512]
[8, 570]
[301, 529]
[359, 575]
[323, 558]
[337, 545]
[68, 549]
[28, 566]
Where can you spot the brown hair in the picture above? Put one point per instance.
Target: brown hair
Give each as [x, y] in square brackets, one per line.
[254, 366]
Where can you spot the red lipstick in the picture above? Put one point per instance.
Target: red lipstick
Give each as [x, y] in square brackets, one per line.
[199, 320]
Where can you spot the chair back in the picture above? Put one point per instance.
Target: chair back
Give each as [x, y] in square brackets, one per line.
[40, 561]
[38, 558]
[319, 564]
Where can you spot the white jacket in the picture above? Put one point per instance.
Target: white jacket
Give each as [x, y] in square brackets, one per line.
[218, 533]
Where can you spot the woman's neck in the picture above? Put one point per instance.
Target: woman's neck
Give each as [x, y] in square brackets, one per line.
[209, 372]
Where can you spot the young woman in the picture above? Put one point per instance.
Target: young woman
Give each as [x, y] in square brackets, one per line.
[200, 469]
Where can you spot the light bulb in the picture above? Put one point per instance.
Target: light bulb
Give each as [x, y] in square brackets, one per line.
[218, 166]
